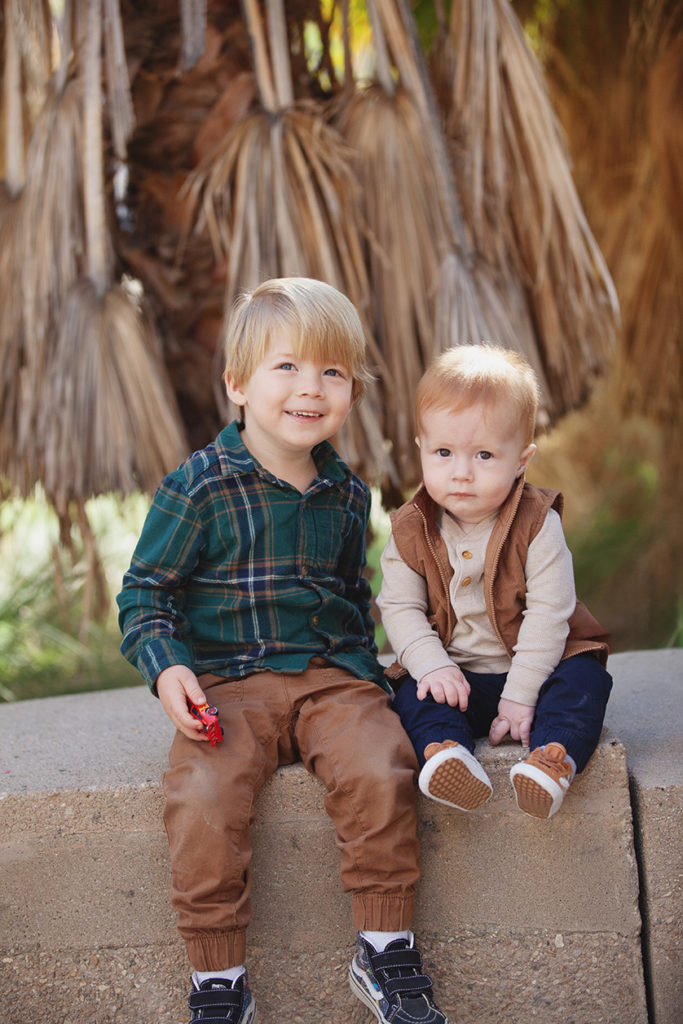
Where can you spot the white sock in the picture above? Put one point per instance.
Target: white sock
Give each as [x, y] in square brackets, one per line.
[380, 940]
[229, 974]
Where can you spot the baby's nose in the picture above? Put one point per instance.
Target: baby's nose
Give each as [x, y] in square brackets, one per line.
[462, 469]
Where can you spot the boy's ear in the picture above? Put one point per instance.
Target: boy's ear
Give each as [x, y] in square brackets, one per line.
[234, 393]
[525, 458]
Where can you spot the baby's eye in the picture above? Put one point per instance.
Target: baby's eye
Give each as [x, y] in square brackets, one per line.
[333, 371]
[443, 453]
[484, 456]
[286, 366]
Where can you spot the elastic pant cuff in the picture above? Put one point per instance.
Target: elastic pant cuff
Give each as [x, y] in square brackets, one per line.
[215, 950]
[383, 912]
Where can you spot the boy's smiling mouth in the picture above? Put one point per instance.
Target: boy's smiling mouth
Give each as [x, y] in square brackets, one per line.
[304, 414]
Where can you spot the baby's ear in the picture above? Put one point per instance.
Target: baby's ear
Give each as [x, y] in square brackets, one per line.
[525, 458]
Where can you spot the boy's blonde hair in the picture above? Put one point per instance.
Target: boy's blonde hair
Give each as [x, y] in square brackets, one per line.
[461, 376]
[321, 323]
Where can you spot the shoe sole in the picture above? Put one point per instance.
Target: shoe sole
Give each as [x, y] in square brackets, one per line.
[532, 798]
[360, 992]
[451, 782]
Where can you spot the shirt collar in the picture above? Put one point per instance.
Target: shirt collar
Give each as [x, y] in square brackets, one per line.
[234, 457]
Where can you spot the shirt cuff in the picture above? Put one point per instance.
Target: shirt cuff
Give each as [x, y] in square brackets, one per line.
[522, 685]
[159, 655]
[426, 657]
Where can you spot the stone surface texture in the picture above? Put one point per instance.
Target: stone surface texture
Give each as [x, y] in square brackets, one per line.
[518, 920]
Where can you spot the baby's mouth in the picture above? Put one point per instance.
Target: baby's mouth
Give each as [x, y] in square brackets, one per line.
[302, 414]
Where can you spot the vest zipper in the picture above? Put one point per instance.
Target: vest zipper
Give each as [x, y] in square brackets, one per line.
[444, 580]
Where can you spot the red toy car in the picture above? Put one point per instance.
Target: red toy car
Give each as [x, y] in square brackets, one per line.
[208, 715]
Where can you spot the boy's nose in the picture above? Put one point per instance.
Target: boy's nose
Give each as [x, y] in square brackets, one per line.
[310, 383]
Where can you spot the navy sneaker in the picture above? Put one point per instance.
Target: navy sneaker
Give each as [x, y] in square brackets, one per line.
[218, 1001]
[393, 985]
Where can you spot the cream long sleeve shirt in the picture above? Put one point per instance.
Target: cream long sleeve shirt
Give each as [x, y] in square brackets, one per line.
[474, 645]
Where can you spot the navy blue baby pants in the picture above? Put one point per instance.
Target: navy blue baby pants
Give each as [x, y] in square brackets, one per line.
[570, 710]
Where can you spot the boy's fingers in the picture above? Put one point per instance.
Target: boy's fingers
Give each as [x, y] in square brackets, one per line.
[196, 696]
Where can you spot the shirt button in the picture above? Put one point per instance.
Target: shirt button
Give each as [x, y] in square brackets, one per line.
[314, 620]
[466, 582]
[467, 554]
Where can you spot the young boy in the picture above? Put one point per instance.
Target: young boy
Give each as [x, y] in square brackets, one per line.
[246, 589]
[478, 597]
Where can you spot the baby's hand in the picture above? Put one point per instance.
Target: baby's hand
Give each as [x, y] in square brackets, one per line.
[174, 686]
[512, 718]
[446, 685]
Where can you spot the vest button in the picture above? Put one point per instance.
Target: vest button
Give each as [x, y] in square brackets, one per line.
[466, 582]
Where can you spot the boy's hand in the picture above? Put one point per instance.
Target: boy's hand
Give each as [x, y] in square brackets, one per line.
[174, 686]
[512, 718]
[446, 685]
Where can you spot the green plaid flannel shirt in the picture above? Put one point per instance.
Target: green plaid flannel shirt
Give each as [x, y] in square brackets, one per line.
[237, 572]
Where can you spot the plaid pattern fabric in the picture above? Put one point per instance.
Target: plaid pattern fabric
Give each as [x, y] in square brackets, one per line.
[237, 572]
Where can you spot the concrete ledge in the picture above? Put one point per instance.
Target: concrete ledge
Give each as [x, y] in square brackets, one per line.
[518, 919]
[646, 715]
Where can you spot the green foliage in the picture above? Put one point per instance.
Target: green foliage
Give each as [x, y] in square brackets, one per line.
[380, 528]
[46, 645]
[620, 525]
[424, 12]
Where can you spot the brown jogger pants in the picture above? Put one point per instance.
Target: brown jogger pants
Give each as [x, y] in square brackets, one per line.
[344, 731]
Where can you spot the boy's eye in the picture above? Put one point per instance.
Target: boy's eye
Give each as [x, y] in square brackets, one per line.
[484, 456]
[332, 371]
[286, 366]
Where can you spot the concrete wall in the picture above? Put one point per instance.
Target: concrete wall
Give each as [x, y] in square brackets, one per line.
[518, 919]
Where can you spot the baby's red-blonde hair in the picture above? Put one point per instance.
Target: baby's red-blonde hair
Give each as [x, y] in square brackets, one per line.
[485, 373]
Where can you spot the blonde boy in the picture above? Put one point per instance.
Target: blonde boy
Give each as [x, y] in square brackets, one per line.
[246, 588]
[478, 598]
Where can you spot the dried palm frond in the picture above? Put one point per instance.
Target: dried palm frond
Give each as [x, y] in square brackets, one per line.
[426, 284]
[108, 422]
[522, 208]
[32, 23]
[94, 413]
[41, 262]
[395, 172]
[653, 310]
[11, 339]
[14, 164]
[649, 262]
[278, 197]
[11, 344]
[53, 217]
[121, 116]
